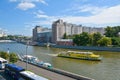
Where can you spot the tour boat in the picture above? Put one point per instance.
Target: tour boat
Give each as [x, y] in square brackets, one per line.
[80, 55]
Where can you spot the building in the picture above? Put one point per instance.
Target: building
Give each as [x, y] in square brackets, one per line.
[91, 30]
[44, 36]
[59, 28]
[41, 34]
[2, 33]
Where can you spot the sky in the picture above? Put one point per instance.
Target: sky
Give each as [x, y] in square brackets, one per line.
[19, 17]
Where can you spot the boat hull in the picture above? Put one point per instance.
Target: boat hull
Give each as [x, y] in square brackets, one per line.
[91, 59]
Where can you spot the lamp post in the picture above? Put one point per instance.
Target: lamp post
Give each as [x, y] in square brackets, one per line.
[26, 54]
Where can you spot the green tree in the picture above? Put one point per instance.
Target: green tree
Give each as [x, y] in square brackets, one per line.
[65, 36]
[115, 41]
[13, 58]
[82, 40]
[4, 55]
[109, 31]
[96, 37]
[112, 31]
[105, 41]
[76, 40]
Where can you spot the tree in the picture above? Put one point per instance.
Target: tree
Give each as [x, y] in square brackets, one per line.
[13, 58]
[105, 41]
[82, 40]
[65, 36]
[4, 55]
[109, 31]
[96, 36]
[115, 41]
[112, 31]
[76, 40]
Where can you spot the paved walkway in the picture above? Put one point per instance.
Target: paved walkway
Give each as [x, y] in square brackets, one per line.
[43, 72]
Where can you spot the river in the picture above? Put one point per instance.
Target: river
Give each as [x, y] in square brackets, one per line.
[107, 69]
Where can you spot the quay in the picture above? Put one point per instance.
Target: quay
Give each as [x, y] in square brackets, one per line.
[52, 74]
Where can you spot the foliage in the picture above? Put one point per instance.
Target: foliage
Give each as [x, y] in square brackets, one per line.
[105, 41]
[115, 41]
[13, 58]
[82, 39]
[96, 36]
[4, 55]
[76, 40]
[112, 31]
[65, 36]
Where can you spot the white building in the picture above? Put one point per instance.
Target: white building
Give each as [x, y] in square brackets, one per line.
[2, 33]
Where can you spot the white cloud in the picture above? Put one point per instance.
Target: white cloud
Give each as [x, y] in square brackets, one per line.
[76, 9]
[106, 17]
[40, 14]
[91, 9]
[42, 1]
[25, 5]
[28, 4]
[31, 1]
[13, 0]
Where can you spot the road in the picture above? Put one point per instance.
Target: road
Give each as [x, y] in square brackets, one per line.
[43, 72]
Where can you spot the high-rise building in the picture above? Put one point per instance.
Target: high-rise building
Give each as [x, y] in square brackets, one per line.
[41, 34]
[59, 28]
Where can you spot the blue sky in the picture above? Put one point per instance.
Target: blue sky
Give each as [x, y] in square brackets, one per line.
[21, 16]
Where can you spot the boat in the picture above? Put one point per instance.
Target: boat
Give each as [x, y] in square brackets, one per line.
[80, 55]
[34, 60]
[30, 59]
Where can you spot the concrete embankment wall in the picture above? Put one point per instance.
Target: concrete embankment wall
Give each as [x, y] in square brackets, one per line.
[117, 49]
[62, 72]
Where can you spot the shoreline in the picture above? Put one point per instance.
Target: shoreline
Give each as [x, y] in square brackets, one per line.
[93, 48]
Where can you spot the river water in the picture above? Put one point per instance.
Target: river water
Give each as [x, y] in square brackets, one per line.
[107, 69]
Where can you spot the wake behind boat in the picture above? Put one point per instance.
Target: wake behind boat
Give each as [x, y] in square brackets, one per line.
[80, 55]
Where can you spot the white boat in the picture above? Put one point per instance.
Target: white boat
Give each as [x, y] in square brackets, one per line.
[34, 60]
[30, 59]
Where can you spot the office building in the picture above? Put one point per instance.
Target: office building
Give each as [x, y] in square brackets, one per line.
[41, 34]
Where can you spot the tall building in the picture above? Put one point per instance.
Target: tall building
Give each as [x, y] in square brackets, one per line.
[59, 28]
[41, 34]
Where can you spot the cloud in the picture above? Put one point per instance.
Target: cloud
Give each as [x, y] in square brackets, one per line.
[28, 4]
[108, 16]
[77, 9]
[91, 9]
[31, 1]
[25, 5]
[42, 1]
[13, 0]
[40, 14]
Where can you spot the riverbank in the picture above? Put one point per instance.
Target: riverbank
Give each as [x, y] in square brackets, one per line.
[6, 41]
[96, 48]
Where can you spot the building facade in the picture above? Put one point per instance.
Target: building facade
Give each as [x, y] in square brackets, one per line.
[42, 35]
[59, 28]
